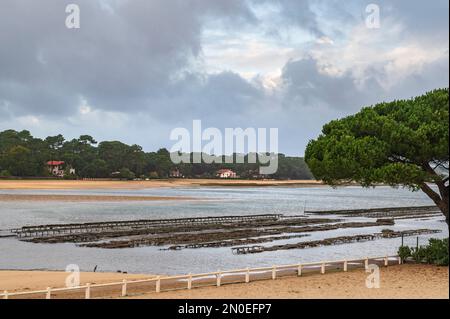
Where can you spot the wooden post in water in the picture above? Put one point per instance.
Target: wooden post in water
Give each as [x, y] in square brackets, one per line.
[366, 263]
[5, 294]
[48, 295]
[386, 261]
[345, 265]
[247, 275]
[322, 268]
[299, 270]
[274, 272]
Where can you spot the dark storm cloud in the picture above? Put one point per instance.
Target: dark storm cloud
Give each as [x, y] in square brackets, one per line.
[135, 63]
[308, 86]
[117, 60]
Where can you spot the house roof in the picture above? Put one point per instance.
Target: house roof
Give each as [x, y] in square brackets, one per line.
[55, 163]
[220, 171]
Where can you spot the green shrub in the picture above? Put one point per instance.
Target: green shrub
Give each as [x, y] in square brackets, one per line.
[436, 252]
[419, 254]
[125, 173]
[5, 173]
[404, 252]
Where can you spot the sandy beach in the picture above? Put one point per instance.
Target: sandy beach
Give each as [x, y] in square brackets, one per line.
[14, 281]
[397, 282]
[81, 184]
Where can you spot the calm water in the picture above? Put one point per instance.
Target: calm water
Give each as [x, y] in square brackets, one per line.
[219, 201]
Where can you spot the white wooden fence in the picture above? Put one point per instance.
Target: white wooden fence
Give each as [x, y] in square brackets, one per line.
[300, 269]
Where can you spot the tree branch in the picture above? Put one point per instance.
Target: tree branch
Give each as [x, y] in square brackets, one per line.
[431, 193]
[438, 180]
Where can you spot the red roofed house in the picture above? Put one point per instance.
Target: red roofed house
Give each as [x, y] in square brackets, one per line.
[226, 173]
[56, 168]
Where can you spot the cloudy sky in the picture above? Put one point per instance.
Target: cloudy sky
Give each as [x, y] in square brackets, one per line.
[136, 69]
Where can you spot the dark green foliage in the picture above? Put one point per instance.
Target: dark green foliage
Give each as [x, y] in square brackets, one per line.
[436, 252]
[404, 252]
[400, 143]
[125, 173]
[25, 156]
[5, 173]
[419, 254]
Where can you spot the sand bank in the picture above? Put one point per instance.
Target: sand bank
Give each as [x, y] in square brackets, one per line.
[86, 198]
[64, 184]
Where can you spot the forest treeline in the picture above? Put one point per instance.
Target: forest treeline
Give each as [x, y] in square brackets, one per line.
[22, 155]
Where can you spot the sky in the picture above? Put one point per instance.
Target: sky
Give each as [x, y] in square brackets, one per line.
[137, 69]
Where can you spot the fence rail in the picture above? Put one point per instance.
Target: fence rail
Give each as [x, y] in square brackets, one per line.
[218, 278]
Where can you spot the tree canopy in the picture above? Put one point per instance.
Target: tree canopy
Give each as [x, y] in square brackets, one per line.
[23, 155]
[399, 143]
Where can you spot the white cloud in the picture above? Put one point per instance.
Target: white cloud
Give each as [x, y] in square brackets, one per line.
[145, 67]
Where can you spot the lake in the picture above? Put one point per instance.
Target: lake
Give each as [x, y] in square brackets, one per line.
[216, 201]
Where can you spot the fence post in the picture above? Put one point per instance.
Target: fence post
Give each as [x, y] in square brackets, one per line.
[366, 263]
[158, 284]
[322, 268]
[5, 294]
[247, 275]
[399, 260]
[299, 270]
[48, 295]
[124, 288]
[190, 281]
[386, 261]
[218, 277]
[345, 265]
[274, 272]
[88, 291]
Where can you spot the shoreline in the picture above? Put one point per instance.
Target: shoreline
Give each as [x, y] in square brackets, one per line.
[89, 198]
[81, 184]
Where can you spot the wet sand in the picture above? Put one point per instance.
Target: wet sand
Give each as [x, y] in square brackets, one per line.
[87, 198]
[65, 184]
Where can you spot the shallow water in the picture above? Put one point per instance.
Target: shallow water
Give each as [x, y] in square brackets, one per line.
[219, 201]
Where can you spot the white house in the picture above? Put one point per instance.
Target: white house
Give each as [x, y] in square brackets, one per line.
[56, 168]
[226, 173]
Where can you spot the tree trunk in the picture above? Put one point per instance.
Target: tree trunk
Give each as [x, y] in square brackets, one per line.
[441, 202]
